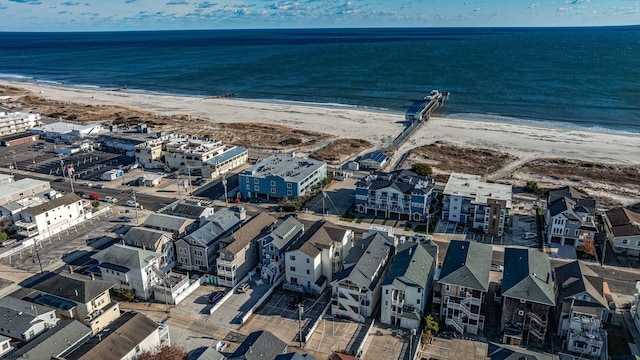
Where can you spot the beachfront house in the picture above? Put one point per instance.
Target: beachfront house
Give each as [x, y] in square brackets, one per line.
[373, 160]
[273, 246]
[570, 217]
[582, 308]
[528, 296]
[238, 254]
[355, 291]
[154, 240]
[622, 227]
[23, 320]
[462, 285]
[476, 204]
[131, 268]
[199, 250]
[400, 194]
[407, 286]
[281, 176]
[77, 297]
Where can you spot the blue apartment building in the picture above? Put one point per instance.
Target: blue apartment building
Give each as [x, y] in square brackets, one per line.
[400, 194]
[281, 176]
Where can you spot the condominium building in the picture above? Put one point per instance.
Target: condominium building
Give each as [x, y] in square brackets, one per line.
[476, 204]
[16, 122]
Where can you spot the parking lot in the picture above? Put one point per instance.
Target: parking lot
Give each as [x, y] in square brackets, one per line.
[339, 198]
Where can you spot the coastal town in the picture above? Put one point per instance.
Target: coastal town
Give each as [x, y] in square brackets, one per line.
[133, 228]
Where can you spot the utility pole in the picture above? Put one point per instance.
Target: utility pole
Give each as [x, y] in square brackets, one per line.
[224, 183]
[300, 310]
[189, 172]
[13, 155]
[135, 203]
[35, 245]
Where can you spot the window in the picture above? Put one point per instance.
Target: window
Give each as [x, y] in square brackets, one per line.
[308, 261]
[256, 188]
[271, 248]
[198, 252]
[291, 257]
[289, 186]
[386, 291]
[255, 181]
[308, 272]
[273, 183]
[289, 193]
[292, 268]
[418, 301]
[273, 190]
[625, 241]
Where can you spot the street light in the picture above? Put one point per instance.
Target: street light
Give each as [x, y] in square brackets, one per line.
[224, 183]
[413, 334]
[300, 311]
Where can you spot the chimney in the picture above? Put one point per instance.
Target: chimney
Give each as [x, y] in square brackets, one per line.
[93, 276]
[70, 269]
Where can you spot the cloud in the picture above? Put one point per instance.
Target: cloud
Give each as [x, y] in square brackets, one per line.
[177, 2]
[69, 3]
[30, 2]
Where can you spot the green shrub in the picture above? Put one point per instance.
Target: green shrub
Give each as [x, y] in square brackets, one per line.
[290, 141]
[422, 169]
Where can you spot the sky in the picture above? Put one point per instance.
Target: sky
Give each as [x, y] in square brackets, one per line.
[108, 15]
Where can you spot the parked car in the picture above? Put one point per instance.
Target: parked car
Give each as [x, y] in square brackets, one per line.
[82, 194]
[132, 203]
[243, 287]
[124, 219]
[215, 296]
[94, 196]
[60, 179]
[99, 186]
[198, 182]
[110, 199]
[529, 235]
[87, 184]
[41, 146]
[497, 267]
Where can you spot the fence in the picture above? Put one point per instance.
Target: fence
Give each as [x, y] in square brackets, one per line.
[259, 302]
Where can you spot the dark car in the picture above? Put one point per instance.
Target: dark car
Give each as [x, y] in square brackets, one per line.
[198, 182]
[60, 179]
[215, 297]
[82, 194]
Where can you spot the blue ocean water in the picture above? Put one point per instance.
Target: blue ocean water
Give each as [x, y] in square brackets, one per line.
[572, 77]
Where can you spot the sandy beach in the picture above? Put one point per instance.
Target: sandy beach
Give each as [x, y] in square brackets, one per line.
[524, 141]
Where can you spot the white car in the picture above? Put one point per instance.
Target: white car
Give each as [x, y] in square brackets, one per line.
[132, 203]
[110, 199]
[529, 235]
[87, 184]
[497, 267]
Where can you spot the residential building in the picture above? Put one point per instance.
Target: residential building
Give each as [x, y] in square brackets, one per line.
[176, 225]
[23, 320]
[355, 291]
[154, 240]
[205, 353]
[622, 227]
[20, 189]
[55, 343]
[64, 131]
[570, 217]
[275, 243]
[462, 285]
[16, 122]
[476, 204]
[52, 216]
[510, 352]
[5, 345]
[636, 305]
[407, 285]
[528, 296]
[294, 356]
[397, 194]
[76, 297]
[281, 176]
[126, 338]
[130, 268]
[259, 345]
[6, 179]
[373, 160]
[239, 252]
[312, 261]
[582, 308]
[232, 157]
[199, 250]
[191, 210]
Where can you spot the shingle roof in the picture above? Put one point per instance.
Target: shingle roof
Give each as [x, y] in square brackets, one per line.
[404, 181]
[284, 231]
[65, 199]
[73, 287]
[164, 221]
[260, 345]
[362, 273]
[216, 226]
[249, 231]
[566, 191]
[147, 238]
[624, 222]
[205, 353]
[188, 210]
[55, 341]
[19, 315]
[294, 356]
[509, 352]
[127, 256]
[121, 337]
[412, 266]
[467, 264]
[527, 276]
[575, 278]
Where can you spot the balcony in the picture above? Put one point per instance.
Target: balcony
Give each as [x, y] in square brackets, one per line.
[96, 314]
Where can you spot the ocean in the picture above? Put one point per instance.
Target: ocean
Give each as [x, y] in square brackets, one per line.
[567, 77]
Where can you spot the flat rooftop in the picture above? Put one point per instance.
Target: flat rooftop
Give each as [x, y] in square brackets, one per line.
[470, 186]
[291, 169]
[21, 185]
[63, 127]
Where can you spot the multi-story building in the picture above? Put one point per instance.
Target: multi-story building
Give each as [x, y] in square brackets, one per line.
[396, 194]
[581, 310]
[259, 345]
[273, 246]
[462, 285]
[126, 338]
[190, 210]
[50, 216]
[176, 225]
[313, 260]
[281, 176]
[231, 157]
[199, 250]
[570, 217]
[23, 320]
[16, 122]
[130, 268]
[622, 227]
[476, 204]
[239, 251]
[77, 297]
[55, 343]
[355, 291]
[527, 296]
[158, 241]
[23, 188]
[408, 284]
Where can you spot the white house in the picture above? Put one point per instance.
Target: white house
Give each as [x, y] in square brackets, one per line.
[23, 320]
[303, 269]
[130, 268]
[623, 231]
[570, 217]
[153, 240]
[48, 217]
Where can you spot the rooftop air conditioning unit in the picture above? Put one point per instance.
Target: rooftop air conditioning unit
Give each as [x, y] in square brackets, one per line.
[520, 312]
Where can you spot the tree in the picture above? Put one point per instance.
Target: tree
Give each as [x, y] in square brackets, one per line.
[431, 327]
[531, 187]
[3, 236]
[422, 169]
[166, 352]
[588, 246]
